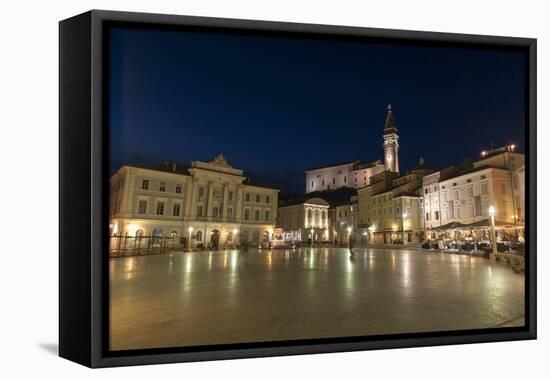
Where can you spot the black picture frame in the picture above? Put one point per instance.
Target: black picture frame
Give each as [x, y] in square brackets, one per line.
[83, 180]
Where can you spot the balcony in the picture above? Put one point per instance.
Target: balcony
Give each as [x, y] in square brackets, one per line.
[211, 218]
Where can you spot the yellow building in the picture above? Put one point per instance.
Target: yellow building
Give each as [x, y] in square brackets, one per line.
[390, 209]
[210, 203]
[462, 197]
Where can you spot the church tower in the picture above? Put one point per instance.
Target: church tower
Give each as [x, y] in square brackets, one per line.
[391, 144]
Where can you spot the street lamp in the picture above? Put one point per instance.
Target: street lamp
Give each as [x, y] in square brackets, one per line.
[190, 229]
[492, 213]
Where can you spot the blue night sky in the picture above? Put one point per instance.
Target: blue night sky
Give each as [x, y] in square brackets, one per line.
[275, 106]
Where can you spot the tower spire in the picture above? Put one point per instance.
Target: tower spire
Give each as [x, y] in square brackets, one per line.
[390, 122]
[391, 143]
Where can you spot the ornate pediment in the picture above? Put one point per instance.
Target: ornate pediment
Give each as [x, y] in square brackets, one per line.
[220, 160]
[219, 164]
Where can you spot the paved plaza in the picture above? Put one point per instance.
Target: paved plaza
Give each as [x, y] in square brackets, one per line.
[202, 298]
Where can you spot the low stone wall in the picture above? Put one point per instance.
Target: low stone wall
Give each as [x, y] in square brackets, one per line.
[516, 262]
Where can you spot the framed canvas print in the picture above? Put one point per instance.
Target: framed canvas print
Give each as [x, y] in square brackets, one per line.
[233, 188]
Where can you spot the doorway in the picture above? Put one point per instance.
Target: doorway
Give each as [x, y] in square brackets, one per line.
[215, 239]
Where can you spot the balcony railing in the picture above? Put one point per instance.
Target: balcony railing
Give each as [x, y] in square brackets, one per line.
[211, 218]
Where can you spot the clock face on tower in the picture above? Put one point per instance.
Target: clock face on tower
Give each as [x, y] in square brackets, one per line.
[388, 157]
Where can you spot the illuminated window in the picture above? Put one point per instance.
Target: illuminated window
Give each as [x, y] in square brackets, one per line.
[198, 236]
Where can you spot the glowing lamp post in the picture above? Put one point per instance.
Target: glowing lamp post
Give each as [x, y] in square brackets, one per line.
[190, 229]
[492, 213]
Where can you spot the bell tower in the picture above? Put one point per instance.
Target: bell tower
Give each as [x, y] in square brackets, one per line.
[391, 143]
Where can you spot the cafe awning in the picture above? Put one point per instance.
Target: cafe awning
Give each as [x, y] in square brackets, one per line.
[482, 224]
[448, 226]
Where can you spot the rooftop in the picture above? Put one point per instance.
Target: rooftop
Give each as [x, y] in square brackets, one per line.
[336, 197]
[333, 165]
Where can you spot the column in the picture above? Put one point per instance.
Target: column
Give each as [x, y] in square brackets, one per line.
[239, 203]
[190, 197]
[209, 198]
[224, 204]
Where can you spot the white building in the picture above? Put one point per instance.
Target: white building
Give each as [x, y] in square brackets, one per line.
[352, 174]
[306, 221]
[212, 203]
[357, 174]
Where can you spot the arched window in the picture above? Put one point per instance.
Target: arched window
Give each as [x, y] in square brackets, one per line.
[198, 236]
[139, 233]
[157, 236]
[174, 234]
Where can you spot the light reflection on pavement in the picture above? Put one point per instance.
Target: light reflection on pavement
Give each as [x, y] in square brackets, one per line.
[221, 297]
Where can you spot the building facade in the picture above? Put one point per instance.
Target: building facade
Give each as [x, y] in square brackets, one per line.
[464, 196]
[353, 174]
[391, 208]
[306, 222]
[209, 204]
